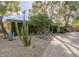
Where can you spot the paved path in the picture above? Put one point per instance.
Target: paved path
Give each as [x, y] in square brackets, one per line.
[63, 45]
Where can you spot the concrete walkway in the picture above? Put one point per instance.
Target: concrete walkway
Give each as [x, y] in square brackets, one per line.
[63, 45]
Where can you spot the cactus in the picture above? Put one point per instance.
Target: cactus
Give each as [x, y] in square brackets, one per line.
[26, 38]
[9, 35]
[17, 30]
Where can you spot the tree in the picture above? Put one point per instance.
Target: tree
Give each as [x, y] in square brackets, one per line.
[68, 10]
[48, 7]
[41, 21]
[5, 7]
[58, 11]
[8, 6]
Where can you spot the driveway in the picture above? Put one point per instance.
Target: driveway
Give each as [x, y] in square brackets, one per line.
[63, 45]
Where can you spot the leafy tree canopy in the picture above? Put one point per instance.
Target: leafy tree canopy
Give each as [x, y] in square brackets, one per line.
[40, 20]
[11, 6]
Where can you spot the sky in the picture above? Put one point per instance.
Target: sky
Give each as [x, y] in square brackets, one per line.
[24, 5]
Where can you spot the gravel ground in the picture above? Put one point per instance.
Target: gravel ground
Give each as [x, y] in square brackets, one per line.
[16, 49]
[59, 45]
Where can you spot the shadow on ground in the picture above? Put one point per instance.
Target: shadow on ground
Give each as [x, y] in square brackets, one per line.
[63, 45]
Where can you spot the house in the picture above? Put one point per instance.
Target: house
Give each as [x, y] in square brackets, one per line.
[8, 22]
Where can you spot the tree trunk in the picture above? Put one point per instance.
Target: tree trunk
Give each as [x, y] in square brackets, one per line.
[67, 21]
[2, 26]
[66, 17]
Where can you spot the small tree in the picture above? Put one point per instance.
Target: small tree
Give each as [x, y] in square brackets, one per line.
[41, 21]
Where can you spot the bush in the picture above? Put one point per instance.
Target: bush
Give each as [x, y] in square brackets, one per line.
[62, 29]
[54, 29]
[75, 24]
[40, 21]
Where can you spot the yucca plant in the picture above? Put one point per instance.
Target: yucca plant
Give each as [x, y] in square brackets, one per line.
[25, 37]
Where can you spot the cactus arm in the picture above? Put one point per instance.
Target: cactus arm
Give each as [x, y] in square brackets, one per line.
[25, 28]
[17, 30]
[25, 37]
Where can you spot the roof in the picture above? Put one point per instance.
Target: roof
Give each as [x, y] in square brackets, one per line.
[14, 18]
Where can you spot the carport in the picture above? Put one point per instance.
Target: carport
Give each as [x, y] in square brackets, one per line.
[9, 25]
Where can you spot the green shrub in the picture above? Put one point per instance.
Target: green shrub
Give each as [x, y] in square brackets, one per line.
[62, 29]
[75, 24]
[55, 29]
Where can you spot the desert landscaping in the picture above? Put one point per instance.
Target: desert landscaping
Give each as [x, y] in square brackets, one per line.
[62, 45]
[39, 28]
